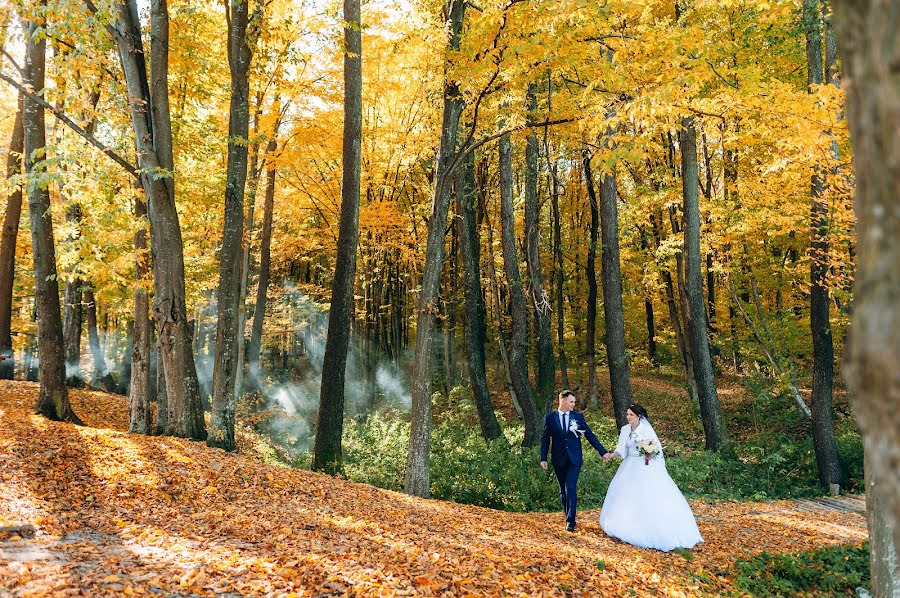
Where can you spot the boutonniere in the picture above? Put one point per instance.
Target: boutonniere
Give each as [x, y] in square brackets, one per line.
[573, 427]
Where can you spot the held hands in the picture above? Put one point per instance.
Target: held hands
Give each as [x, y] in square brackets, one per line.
[610, 456]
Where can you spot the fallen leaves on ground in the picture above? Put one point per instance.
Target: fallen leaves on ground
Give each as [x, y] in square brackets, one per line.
[123, 514]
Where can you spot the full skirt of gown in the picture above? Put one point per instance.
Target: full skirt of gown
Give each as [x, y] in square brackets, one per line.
[644, 507]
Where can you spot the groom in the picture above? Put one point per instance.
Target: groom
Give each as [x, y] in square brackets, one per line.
[566, 427]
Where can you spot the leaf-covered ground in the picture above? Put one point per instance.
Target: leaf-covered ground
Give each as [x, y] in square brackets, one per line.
[103, 512]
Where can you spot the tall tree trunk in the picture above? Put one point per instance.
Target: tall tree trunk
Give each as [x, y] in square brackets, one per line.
[8, 247]
[558, 273]
[139, 420]
[710, 408]
[72, 323]
[831, 470]
[546, 365]
[53, 399]
[153, 138]
[265, 261]
[240, 54]
[613, 310]
[867, 35]
[684, 352]
[498, 311]
[559, 278]
[518, 342]
[253, 185]
[330, 422]
[648, 309]
[470, 247]
[417, 480]
[590, 346]
[101, 378]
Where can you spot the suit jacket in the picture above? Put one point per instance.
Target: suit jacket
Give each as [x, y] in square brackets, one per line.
[566, 444]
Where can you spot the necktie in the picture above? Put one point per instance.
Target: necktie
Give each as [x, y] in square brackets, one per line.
[566, 422]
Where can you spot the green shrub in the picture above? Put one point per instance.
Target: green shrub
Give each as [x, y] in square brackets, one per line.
[774, 461]
[823, 572]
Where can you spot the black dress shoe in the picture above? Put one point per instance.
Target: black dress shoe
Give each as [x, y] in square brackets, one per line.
[570, 528]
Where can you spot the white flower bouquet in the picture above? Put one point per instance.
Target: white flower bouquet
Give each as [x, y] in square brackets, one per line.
[649, 448]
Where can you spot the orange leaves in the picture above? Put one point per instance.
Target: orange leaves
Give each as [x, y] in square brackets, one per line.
[118, 514]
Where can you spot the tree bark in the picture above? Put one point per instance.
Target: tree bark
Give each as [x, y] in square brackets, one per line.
[613, 310]
[72, 324]
[253, 175]
[153, 138]
[265, 261]
[518, 342]
[53, 399]
[710, 408]
[162, 396]
[470, 249]
[495, 302]
[139, 420]
[590, 345]
[828, 461]
[545, 382]
[417, 480]
[327, 455]
[8, 247]
[101, 378]
[867, 37]
[240, 54]
[558, 277]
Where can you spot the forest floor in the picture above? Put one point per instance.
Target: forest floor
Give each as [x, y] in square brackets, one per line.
[91, 511]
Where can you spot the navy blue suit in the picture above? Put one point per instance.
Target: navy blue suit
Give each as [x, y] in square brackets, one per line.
[566, 456]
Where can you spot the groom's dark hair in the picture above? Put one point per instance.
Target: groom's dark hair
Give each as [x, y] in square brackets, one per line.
[566, 393]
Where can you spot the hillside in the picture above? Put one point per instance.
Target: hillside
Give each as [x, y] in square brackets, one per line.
[97, 511]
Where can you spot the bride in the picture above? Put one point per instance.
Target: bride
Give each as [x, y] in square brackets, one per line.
[643, 506]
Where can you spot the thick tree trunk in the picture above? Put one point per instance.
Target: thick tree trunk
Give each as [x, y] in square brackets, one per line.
[590, 343]
[867, 32]
[417, 480]
[8, 247]
[545, 382]
[153, 138]
[327, 454]
[518, 342]
[139, 385]
[710, 408]
[53, 399]
[831, 470]
[470, 249]
[265, 261]
[101, 377]
[613, 310]
[240, 53]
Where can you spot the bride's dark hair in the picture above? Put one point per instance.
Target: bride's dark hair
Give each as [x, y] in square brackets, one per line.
[639, 410]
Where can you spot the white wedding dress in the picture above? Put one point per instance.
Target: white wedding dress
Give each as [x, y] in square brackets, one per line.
[643, 506]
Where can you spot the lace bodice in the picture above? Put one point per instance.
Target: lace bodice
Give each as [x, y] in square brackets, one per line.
[629, 439]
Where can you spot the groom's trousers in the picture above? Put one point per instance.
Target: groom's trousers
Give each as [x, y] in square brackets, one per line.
[567, 476]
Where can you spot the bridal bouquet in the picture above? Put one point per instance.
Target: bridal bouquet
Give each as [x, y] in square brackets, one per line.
[649, 448]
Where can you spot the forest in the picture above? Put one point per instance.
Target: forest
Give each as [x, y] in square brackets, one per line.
[376, 239]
